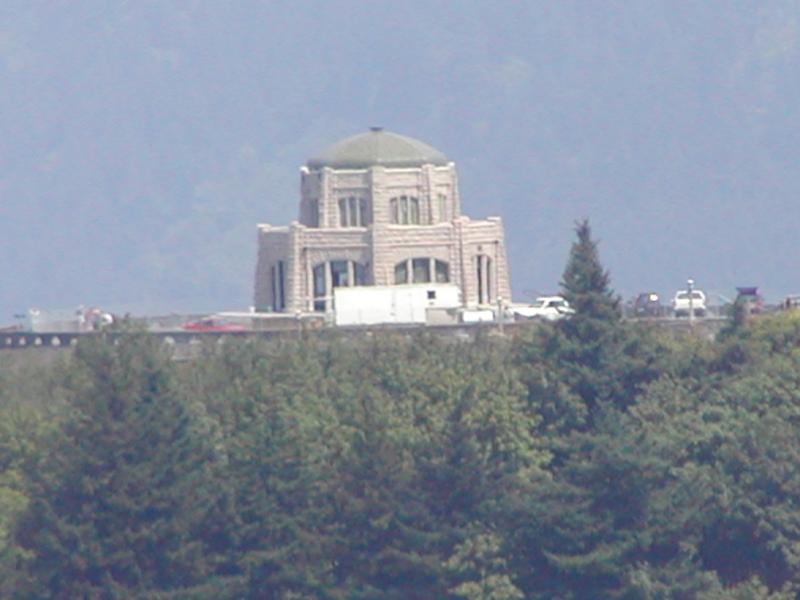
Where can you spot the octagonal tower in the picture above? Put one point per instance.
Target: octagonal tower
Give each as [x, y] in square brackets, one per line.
[378, 208]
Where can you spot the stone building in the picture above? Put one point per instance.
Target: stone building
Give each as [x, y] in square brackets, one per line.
[378, 208]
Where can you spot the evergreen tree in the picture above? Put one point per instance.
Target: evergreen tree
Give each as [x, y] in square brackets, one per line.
[278, 436]
[599, 358]
[585, 285]
[22, 429]
[409, 467]
[439, 435]
[587, 348]
[120, 505]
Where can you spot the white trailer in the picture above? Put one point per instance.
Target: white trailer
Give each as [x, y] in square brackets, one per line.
[373, 305]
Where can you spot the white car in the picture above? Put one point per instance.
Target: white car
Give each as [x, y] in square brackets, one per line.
[681, 302]
[549, 308]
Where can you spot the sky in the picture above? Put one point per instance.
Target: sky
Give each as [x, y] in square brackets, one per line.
[141, 141]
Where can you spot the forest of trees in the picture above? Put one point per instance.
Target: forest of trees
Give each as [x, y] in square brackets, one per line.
[587, 459]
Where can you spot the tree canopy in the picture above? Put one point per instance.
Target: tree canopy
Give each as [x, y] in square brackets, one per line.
[587, 459]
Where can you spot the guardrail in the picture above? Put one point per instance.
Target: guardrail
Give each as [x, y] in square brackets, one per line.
[17, 340]
[20, 340]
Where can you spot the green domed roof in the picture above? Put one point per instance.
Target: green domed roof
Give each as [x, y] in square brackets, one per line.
[378, 147]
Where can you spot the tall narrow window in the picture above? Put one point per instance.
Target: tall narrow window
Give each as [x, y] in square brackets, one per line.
[272, 276]
[413, 211]
[360, 274]
[312, 217]
[488, 280]
[319, 287]
[479, 279]
[339, 273]
[278, 276]
[442, 202]
[484, 278]
[401, 273]
[281, 286]
[442, 272]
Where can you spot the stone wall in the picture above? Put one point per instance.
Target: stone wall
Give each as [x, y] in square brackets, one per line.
[443, 234]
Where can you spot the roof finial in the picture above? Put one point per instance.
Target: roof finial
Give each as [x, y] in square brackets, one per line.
[376, 129]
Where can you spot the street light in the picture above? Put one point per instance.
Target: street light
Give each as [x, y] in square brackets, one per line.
[500, 314]
[690, 288]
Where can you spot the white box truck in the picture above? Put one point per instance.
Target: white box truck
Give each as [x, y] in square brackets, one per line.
[374, 305]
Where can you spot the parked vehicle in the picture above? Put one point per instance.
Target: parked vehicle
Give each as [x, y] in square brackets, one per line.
[750, 300]
[791, 302]
[682, 303]
[392, 304]
[211, 324]
[549, 308]
[647, 304]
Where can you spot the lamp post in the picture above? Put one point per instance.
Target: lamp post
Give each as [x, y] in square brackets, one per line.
[500, 314]
[690, 289]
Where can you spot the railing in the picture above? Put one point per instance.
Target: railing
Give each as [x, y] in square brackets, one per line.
[20, 340]
[186, 343]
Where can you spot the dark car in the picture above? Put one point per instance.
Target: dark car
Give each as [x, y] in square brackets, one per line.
[647, 304]
[750, 299]
[210, 324]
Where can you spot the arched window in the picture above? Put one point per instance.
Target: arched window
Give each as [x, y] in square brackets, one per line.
[340, 273]
[333, 274]
[421, 267]
[404, 210]
[353, 212]
[421, 270]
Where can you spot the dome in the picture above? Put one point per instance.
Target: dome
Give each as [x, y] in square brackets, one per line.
[378, 147]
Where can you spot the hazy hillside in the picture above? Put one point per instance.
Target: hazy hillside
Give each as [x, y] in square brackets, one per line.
[140, 142]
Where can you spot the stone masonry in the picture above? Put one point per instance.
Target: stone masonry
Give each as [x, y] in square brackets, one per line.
[378, 209]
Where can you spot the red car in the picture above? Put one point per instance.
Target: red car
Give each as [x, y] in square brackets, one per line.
[210, 324]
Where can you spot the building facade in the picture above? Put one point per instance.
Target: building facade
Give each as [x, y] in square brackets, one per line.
[378, 208]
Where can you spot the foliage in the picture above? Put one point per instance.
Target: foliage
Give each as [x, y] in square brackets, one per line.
[119, 501]
[586, 285]
[408, 466]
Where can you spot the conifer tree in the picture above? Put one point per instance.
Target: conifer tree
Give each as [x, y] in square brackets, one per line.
[604, 359]
[586, 286]
[277, 433]
[437, 435]
[588, 337]
[119, 507]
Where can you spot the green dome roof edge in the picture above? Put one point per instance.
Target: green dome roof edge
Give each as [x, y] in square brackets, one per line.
[378, 147]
